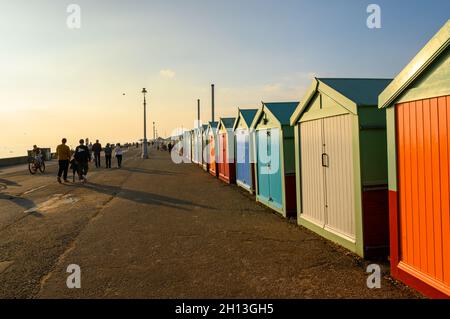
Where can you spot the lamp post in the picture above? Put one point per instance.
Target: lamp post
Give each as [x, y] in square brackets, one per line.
[145, 146]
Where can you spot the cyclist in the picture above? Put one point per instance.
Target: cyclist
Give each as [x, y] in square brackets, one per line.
[37, 154]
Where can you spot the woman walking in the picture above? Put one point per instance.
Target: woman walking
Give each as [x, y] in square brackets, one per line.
[119, 153]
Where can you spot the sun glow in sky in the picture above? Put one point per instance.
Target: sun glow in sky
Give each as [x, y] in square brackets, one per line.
[58, 82]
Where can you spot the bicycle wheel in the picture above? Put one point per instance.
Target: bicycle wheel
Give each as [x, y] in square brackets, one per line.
[32, 168]
[42, 167]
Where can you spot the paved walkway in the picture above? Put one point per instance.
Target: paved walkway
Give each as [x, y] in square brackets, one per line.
[159, 230]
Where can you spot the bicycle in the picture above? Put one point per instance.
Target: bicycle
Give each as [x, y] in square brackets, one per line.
[35, 164]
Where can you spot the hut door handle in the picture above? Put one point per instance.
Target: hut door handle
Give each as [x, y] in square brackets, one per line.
[325, 160]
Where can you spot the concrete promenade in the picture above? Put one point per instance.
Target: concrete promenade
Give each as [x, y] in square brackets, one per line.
[158, 230]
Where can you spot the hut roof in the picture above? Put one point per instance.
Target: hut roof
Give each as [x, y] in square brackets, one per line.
[429, 53]
[282, 110]
[351, 92]
[228, 122]
[364, 92]
[248, 115]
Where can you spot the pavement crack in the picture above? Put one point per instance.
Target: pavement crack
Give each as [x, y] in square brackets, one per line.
[73, 243]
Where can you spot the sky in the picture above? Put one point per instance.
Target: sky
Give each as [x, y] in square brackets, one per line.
[57, 81]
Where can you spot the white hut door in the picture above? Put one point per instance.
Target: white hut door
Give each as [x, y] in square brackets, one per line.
[312, 172]
[339, 187]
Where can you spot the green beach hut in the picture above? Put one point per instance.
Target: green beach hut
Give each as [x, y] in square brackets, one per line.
[341, 163]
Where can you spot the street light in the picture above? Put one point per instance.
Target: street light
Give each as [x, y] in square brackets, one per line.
[145, 146]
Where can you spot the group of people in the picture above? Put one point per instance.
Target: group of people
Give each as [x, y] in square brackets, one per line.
[163, 146]
[97, 149]
[78, 159]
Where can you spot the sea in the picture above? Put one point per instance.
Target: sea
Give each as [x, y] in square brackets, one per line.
[13, 151]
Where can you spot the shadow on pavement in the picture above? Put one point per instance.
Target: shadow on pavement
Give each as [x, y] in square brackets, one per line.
[8, 182]
[150, 172]
[143, 197]
[25, 203]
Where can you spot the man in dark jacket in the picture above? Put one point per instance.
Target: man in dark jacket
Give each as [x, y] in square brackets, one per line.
[108, 155]
[97, 149]
[83, 157]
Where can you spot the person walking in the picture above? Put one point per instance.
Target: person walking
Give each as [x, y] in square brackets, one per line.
[119, 155]
[82, 157]
[108, 155]
[63, 154]
[97, 149]
[89, 148]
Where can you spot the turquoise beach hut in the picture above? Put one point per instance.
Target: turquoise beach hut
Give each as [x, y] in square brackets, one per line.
[275, 158]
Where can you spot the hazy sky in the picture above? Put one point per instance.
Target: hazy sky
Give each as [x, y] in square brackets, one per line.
[56, 81]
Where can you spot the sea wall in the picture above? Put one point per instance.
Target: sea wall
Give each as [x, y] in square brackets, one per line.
[13, 161]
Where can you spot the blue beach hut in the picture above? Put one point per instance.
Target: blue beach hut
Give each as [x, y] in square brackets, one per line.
[245, 167]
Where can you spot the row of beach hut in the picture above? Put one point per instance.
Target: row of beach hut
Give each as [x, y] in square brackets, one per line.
[364, 163]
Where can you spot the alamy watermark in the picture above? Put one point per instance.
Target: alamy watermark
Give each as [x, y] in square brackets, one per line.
[74, 18]
[374, 18]
[374, 279]
[74, 279]
[217, 147]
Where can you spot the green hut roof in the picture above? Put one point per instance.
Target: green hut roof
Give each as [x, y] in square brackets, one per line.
[364, 92]
[430, 52]
[351, 92]
[282, 110]
[228, 122]
[249, 115]
[214, 124]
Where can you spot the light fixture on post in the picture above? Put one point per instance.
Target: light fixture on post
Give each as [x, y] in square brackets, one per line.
[145, 143]
[265, 119]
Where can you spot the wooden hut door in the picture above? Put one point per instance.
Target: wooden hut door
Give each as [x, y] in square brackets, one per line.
[247, 179]
[219, 159]
[225, 167]
[242, 157]
[212, 153]
[198, 147]
[205, 154]
[339, 176]
[189, 147]
[194, 148]
[327, 174]
[275, 167]
[423, 159]
[312, 172]
[262, 167]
